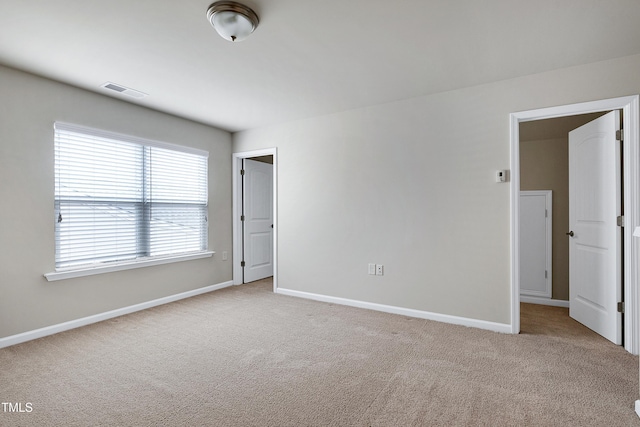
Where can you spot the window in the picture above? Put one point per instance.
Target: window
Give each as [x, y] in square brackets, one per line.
[122, 198]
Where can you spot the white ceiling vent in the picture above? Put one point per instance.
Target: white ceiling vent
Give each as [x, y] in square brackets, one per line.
[124, 90]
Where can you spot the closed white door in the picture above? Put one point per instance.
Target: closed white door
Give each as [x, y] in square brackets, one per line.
[594, 236]
[257, 184]
[535, 243]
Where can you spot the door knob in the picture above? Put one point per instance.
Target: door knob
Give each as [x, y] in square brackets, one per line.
[570, 234]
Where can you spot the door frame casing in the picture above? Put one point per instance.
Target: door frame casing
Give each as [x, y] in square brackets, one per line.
[236, 167]
[631, 197]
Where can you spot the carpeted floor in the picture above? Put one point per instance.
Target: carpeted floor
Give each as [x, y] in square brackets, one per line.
[244, 356]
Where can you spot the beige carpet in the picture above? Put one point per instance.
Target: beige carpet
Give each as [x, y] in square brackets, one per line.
[246, 357]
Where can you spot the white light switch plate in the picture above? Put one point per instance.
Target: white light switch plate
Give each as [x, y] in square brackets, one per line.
[372, 269]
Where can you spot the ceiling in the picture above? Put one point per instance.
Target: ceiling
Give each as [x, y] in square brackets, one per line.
[306, 58]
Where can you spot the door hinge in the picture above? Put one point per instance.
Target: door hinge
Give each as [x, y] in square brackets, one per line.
[241, 217]
[621, 307]
[241, 263]
[546, 213]
[620, 135]
[546, 274]
[620, 221]
[241, 171]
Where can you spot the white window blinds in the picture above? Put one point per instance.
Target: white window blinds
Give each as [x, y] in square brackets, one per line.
[123, 198]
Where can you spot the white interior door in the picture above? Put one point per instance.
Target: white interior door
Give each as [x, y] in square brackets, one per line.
[595, 238]
[257, 184]
[535, 243]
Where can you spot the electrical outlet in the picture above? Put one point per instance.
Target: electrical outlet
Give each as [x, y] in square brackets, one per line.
[379, 269]
[372, 269]
[225, 256]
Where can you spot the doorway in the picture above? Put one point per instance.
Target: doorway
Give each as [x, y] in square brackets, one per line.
[629, 108]
[265, 156]
[544, 167]
[573, 156]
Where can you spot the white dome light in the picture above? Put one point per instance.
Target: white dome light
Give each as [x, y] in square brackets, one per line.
[232, 20]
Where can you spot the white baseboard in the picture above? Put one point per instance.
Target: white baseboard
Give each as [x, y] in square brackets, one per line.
[445, 318]
[638, 407]
[72, 324]
[544, 301]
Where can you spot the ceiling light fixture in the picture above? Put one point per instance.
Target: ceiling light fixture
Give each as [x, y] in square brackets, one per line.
[232, 20]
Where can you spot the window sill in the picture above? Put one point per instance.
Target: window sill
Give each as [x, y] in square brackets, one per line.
[127, 265]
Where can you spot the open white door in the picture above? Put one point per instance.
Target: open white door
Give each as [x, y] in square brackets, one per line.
[595, 238]
[257, 187]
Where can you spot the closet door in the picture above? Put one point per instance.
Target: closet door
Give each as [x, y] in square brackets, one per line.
[535, 243]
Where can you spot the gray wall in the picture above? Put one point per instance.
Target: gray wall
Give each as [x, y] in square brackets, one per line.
[29, 106]
[410, 185]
